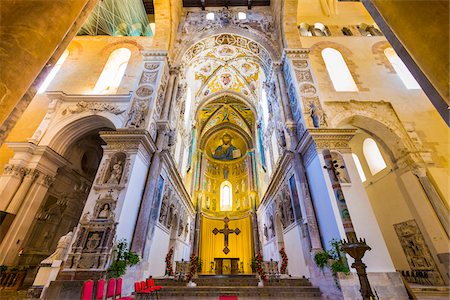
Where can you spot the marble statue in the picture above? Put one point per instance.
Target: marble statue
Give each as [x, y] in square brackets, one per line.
[61, 249]
[116, 173]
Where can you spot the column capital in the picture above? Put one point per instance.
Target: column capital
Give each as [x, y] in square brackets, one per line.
[333, 139]
[128, 140]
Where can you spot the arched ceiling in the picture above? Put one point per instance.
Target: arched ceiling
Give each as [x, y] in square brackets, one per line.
[226, 111]
[227, 68]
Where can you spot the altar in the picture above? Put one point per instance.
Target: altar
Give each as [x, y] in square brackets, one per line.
[226, 265]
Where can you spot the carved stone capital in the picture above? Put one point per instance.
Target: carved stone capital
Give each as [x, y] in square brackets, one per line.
[31, 174]
[14, 170]
[128, 140]
[46, 180]
[318, 139]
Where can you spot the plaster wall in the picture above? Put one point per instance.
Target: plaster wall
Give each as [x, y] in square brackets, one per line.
[294, 251]
[132, 200]
[158, 252]
[377, 83]
[397, 196]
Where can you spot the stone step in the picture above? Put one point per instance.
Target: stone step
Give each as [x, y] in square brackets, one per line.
[201, 281]
[240, 291]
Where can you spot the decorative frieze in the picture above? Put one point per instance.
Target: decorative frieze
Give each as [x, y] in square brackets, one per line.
[94, 107]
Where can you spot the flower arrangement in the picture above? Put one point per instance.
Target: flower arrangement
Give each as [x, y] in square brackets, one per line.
[284, 261]
[259, 267]
[194, 267]
[169, 267]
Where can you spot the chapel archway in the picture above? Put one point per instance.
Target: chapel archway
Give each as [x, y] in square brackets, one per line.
[224, 75]
[64, 201]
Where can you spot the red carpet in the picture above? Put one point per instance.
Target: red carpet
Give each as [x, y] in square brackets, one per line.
[228, 298]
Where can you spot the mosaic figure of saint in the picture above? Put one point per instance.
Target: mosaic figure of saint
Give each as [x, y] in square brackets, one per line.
[226, 151]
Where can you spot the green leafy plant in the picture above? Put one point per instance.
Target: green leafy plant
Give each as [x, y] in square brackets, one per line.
[321, 259]
[123, 259]
[334, 259]
[253, 264]
[199, 263]
[339, 266]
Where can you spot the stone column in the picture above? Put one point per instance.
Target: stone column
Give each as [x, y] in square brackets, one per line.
[42, 164]
[301, 181]
[439, 205]
[170, 93]
[17, 200]
[281, 87]
[17, 234]
[142, 224]
[9, 183]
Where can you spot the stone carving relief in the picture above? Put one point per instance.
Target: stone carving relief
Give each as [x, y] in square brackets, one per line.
[416, 250]
[137, 114]
[144, 91]
[94, 240]
[114, 170]
[342, 174]
[94, 107]
[313, 112]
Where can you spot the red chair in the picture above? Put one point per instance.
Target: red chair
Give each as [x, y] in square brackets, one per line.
[151, 283]
[88, 290]
[156, 288]
[137, 286]
[110, 288]
[147, 289]
[119, 290]
[100, 289]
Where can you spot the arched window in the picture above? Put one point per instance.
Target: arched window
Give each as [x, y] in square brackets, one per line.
[210, 16]
[112, 74]
[187, 106]
[304, 29]
[359, 167]
[320, 29]
[338, 71]
[402, 71]
[242, 15]
[53, 72]
[226, 196]
[373, 156]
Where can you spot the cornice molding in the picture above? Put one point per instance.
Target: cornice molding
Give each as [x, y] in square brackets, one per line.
[59, 95]
[128, 139]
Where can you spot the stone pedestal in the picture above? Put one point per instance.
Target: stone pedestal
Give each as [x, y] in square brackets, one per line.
[385, 285]
[46, 274]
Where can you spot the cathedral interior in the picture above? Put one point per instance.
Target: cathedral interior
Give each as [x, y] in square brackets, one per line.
[288, 149]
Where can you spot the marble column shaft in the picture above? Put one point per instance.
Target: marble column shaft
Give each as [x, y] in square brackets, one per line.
[17, 234]
[10, 182]
[282, 89]
[21, 192]
[439, 206]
